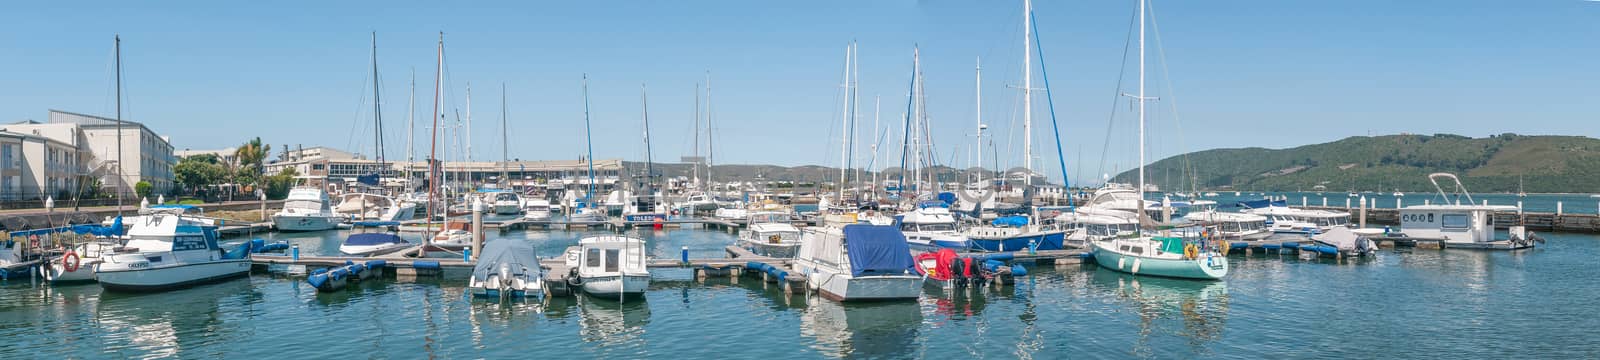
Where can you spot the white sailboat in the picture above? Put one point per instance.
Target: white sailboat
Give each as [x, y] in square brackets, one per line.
[646, 204]
[1167, 256]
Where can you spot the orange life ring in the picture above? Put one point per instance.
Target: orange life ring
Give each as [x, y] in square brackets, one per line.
[1191, 251]
[70, 266]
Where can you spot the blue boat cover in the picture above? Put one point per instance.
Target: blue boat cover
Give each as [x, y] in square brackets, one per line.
[947, 197]
[375, 223]
[1013, 221]
[373, 239]
[369, 179]
[173, 206]
[877, 250]
[516, 253]
[1257, 204]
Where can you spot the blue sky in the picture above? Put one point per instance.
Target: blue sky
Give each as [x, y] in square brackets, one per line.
[1242, 72]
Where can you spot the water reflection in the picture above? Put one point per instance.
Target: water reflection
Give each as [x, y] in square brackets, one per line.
[609, 322]
[1200, 306]
[163, 324]
[865, 330]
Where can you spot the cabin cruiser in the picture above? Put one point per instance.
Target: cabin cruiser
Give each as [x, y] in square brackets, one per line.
[1229, 225]
[845, 261]
[1346, 242]
[168, 249]
[369, 243]
[609, 266]
[507, 269]
[770, 234]
[698, 201]
[932, 227]
[1282, 219]
[1457, 224]
[1091, 225]
[374, 207]
[503, 202]
[1121, 197]
[455, 236]
[645, 208]
[308, 208]
[536, 209]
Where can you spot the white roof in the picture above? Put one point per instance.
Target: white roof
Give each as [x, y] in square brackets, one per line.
[773, 227]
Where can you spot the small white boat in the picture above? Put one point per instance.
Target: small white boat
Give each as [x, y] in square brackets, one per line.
[609, 266]
[1229, 225]
[1172, 257]
[78, 263]
[504, 202]
[1347, 242]
[700, 201]
[369, 243]
[536, 209]
[308, 208]
[932, 228]
[507, 269]
[857, 262]
[374, 207]
[166, 250]
[1459, 222]
[586, 214]
[455, 236]
[770, 234]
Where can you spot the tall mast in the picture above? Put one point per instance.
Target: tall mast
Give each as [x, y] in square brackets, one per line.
[377, 112]
[468, 128]
[711, 151]
[588, 136]
[411, 126]
[877, 109]
[1141, 105]
[433, 142]
[979, 90]
[855, 105]
[697, 160]
[844, 133]
[1027, 97]
[120, 179]
[644, 106]
[505, 154]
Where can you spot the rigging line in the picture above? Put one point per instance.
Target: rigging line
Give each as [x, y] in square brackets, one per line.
[1188, 170]
[1050, 99]
[1116, 95]
[357, 125]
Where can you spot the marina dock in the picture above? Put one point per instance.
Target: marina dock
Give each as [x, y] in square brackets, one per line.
[1541, 221]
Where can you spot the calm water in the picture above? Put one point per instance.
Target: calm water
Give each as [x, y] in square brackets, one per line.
[1423, 304]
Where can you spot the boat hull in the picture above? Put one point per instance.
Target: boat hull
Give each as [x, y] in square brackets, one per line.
[1045, 241]
[771, 250]
[507, 209]
[172, 276]
[366, 250]
[843, 287]
[611, 287]
[305, 222]
[1183, 269]
[55, 273]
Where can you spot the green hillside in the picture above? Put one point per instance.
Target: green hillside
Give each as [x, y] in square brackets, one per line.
[1386, 163]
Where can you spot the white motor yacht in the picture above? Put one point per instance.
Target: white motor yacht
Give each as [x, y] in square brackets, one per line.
[374, 207]
[609, 266]
[844, 261]
[168, 249]
[536, 209]
[308, 208]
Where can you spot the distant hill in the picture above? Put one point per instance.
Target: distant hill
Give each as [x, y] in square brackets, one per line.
[1386, 163]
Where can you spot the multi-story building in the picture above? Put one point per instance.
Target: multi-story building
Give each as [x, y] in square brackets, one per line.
[53, 158]
[341, 166]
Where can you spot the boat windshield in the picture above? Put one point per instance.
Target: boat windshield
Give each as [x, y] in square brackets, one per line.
[939, 227]
[303, 204]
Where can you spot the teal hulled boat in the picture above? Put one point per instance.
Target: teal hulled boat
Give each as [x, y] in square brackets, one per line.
[1161, 256]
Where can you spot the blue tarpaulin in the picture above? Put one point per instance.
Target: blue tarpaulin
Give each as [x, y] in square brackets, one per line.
[877, 250]
[1013, 221]
[369, 179]
[373, 239]
[947, 197]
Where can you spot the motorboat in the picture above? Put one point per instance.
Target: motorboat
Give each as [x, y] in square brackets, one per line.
[858, 262]
[455, 236]
[1229, 225]
[78, 262]
[504, 202]
[1014, 233]
[168, 249]
[364, 243]
[1346, 242]
[374, 207]
[1091, 225]
[1282, 219]
[609, 266]
[308, 208]
[507, 269]
[1458, 222]
[587, 214]
[1165, 256]
[699, 201]
[536, 209]
[770, 234]
[932, 227]
[947, 270]
[645, 208]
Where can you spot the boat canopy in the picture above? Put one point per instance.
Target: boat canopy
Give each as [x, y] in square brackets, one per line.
[518, 254]
[877, 250]
[114, 230]
[1171, 244]
[1013, 221]
[1257, 204]
[373, 239]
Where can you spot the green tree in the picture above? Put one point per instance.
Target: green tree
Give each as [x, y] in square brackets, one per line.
[278, 185]
[199, 171]
[143, 188]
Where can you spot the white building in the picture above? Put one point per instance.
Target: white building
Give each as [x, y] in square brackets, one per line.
[48, 158]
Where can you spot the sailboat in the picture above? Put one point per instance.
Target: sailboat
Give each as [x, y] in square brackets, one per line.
[585, 209]
[375, 206]
[646, 205]
[1018, 232]
[1167, 255]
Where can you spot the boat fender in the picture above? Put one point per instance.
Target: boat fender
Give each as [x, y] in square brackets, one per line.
[70, 261]
[318, 279]
[377, 264]
[426, 265]
[318, 272]
[1018, 270]
[573, 279]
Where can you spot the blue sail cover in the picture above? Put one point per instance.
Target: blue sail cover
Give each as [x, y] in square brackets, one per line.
[1257, 204]
[1012, 221]
[369, 179]
[373, 239]
[877, 250]
[947, 197]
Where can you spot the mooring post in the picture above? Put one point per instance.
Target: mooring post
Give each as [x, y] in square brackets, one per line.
[685, 256]
[477, 229]
[1347, 204]
[1302, 201]
[1363, 212]
[1558, 208]
[1324, 201]
[294, 253]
